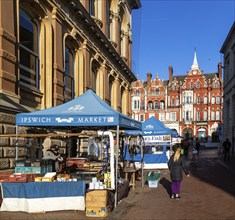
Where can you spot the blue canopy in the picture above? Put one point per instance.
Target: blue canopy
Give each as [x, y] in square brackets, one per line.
[85, 110]
[153, 126]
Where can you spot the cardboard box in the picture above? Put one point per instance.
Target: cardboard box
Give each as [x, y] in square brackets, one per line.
[153, 183]
[97, 198]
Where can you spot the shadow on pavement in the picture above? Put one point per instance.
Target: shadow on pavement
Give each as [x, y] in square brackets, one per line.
[166, 184]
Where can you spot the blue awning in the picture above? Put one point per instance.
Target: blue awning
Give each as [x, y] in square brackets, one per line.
[85, 110]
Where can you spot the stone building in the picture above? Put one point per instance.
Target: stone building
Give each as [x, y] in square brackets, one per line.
[191, 104]
[54, 50]
[228, 51]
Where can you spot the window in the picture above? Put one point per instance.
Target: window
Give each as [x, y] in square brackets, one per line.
[205, 100]
[213, 100]
[212, 116]
[172, 102]
[156, 105]
[177, 102]
[198, 85]
[137, 92]
[205, 116]
[157, 91]
[162, 105]
[136, 105]
[142, 105]
[161, 116]
[217, 115]
[69, 75]
[92, 7]
[191, 85]
[198, 116]
[141, 117]
[150, 106]
[217, 100]
[173, 116]
[198, 100]
[29, 56]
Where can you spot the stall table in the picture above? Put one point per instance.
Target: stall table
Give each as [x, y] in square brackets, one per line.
[43, 196]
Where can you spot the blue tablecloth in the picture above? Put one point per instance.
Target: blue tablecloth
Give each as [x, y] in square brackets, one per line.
[43, 196]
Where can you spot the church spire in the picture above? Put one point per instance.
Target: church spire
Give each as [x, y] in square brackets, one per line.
[195, 64]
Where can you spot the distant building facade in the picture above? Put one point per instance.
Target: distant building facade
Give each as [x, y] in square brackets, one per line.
[191, 104]
[52, 51]
[228, 51]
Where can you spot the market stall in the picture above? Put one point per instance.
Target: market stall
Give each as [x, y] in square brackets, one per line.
[87, 111]
[157, 144]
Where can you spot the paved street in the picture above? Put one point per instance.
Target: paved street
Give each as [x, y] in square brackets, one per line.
[208, 194]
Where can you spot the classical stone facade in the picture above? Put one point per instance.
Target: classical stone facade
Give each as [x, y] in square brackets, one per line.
[191, 104]
[52, 51]
[228, 51]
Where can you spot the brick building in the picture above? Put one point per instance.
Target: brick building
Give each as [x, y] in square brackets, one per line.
[191, 104]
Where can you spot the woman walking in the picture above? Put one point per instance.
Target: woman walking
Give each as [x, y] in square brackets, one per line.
[176, 165]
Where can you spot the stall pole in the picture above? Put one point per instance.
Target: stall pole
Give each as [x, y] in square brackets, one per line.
[116, 177]
[17, 142]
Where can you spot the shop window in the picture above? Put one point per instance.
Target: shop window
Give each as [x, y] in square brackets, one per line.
[29, 55]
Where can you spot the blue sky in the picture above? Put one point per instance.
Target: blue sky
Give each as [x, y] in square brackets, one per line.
[166, 33]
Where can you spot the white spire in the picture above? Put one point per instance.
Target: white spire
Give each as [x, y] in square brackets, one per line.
[195, 64]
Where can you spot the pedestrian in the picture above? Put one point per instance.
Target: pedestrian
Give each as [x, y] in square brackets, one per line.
[226, 149]
[176, 165]
[198, 146]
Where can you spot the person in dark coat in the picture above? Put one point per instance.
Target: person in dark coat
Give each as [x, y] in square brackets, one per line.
[176, 165]
[226, 149]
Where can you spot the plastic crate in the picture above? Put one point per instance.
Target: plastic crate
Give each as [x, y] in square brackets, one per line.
[153, 183]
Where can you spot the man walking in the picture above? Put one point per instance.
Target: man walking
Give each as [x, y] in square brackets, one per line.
[226, 149]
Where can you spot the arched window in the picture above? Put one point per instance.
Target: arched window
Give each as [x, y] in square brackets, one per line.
[157, 91]
[156, 105]
[217, 116]
[137, 92]
[177, 102]
[198, 116]
[162, 105]
[213, 100]
[198, 100]
[212, 116]
[29, 51]
[198, 85]
[191, 85]
[150, 105]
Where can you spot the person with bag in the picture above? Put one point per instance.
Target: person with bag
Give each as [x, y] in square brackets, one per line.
[176, 165]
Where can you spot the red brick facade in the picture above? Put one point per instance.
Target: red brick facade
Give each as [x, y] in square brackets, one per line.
[191, 104]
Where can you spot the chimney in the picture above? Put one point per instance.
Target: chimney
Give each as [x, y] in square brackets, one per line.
[149, 79]
[170, 68]
[220, 70]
